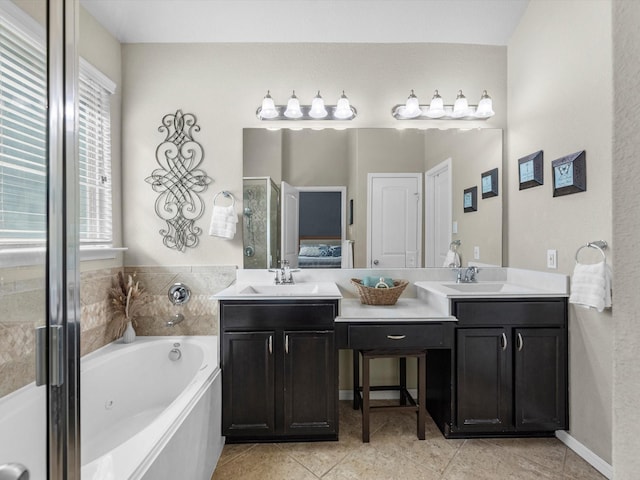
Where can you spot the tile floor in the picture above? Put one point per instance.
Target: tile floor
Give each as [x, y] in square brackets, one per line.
[396, 453]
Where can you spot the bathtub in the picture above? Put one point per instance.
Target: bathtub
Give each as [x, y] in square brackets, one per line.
[143, 416]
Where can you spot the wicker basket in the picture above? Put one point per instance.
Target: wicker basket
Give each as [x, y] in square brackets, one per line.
[379, 296]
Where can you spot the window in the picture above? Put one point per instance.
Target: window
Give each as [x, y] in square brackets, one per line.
[94, 138]
[23, 149]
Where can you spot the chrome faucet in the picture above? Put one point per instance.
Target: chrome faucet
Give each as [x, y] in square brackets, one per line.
[467, 275]
[284, 276]
[175, 319]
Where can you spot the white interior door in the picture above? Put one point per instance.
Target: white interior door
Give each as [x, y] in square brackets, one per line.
[438, 213]
[290, 223]
[394, 220]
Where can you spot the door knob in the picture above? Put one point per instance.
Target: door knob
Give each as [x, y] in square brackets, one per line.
[375, 262]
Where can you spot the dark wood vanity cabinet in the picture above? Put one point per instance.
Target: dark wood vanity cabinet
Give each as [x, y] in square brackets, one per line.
[510, 373]
[279, 370]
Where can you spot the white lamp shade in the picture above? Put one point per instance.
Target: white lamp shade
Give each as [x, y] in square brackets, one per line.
[461, 107]
[317, 107]
[436, 107]
[343, 108]
[485, 106]
[412, 107]
[293, 107]
[268, 109]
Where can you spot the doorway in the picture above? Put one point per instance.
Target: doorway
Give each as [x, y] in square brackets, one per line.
[438, 213]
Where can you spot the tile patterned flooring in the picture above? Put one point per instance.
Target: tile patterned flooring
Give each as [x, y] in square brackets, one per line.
[396, 453]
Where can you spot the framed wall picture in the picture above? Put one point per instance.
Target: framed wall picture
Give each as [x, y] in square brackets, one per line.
[470, 199]
[489, 183]
[530, 172]
[570, 174]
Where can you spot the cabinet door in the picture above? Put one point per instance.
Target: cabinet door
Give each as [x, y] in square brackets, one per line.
[540, 379]
[483, 380]
[248, 379]
[310, 383]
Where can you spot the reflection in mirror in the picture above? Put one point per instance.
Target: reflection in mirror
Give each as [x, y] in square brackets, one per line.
[321, 158]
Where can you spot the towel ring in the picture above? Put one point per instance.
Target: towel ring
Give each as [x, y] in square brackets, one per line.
[454, 245]
[225, 194]
[599, 245]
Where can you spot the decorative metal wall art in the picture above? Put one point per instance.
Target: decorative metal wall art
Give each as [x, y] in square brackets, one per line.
[179, 181]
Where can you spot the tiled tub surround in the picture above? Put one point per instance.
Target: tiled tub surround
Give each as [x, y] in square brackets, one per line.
[22, 303]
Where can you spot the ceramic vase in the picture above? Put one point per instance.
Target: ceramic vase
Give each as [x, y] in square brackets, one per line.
[129, 334]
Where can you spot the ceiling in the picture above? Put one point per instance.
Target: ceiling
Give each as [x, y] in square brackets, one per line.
[483, 22]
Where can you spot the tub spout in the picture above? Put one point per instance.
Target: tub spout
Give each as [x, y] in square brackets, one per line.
[175, 319]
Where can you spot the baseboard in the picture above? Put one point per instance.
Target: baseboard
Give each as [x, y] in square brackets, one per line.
[591, 458]
[378, 395]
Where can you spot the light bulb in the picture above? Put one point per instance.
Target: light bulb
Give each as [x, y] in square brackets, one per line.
[436, 107]
[485, 106]
[317, 107]
[293, 107]
[461, 107]
[343, 108]
[268, 109]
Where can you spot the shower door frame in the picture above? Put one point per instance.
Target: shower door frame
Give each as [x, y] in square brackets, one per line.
[63, 277]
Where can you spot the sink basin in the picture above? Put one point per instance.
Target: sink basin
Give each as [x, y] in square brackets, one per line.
[311, 290]
[476, 287]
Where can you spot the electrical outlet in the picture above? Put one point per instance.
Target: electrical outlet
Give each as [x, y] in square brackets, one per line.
[476, 253]
[552, 259]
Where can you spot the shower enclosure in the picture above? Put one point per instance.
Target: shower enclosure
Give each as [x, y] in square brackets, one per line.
[39, 290]
[261, 222]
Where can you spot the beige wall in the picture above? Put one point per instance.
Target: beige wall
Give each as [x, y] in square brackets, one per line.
[560, 101]
[222, 84]
[626, 231]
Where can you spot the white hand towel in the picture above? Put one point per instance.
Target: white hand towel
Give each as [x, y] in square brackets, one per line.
[452, 259]
[591, 286]
[347, 254]
[223, 222]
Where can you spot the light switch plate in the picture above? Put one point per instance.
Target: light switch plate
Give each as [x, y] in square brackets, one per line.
[552, 259]
[455, 227]
[476, 253]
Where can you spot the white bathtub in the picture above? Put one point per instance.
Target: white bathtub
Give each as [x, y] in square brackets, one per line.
[143, 416]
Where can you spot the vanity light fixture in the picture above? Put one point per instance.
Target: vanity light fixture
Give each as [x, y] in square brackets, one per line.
[343, 110]
[460, 110]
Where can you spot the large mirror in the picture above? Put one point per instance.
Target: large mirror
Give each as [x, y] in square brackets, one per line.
[346, 163]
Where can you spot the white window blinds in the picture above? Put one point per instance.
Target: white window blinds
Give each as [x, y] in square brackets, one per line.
[94, 137]
[23, 169]
[23, 149]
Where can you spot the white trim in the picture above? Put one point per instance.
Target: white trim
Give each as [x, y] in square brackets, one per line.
[92, 72]
[25, 257]
[591, 458]
[429, 207]
[32, 30]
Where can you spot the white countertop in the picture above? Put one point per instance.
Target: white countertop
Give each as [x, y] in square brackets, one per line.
[270, 291]
[488, 290]
[405, 310]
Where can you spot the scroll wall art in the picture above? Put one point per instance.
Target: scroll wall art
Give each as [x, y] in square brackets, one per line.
[179, 181]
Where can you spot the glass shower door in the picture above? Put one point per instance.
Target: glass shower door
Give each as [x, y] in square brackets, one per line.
[38, 251]
[23, 239]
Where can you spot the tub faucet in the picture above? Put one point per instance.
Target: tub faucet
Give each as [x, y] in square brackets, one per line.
[175, 319]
